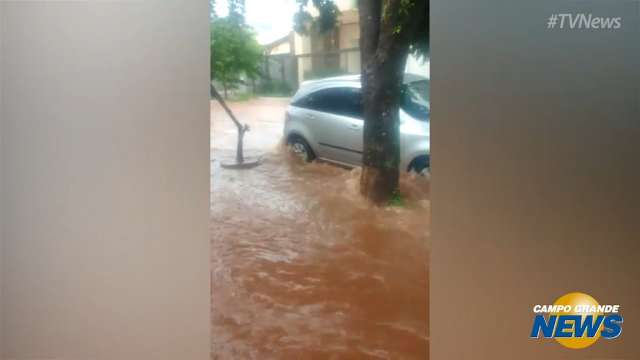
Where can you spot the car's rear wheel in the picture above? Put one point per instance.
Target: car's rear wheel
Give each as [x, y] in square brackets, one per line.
[420, 165]
[301, 148]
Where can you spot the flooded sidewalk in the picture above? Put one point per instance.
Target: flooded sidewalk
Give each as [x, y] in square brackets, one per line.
[302, 266]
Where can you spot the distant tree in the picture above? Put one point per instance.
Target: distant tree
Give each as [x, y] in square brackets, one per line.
[328, 14]
[235, 52]
[389, 31]
[212, 10]
[237, 10]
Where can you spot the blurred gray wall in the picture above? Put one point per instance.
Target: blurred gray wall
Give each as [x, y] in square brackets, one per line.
[105, 152]
[535, 142]
[1, 165]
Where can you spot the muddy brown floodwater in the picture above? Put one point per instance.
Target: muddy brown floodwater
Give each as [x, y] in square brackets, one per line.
[302, 266]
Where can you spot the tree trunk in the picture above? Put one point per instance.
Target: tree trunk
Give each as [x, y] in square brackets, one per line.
[239, 152]
[381, 135]
[383, 56]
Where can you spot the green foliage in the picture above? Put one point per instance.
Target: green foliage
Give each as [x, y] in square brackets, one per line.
[234, 52]
[411, 12]
[237, 10]
[275, 88]
[327, 19]
[420, 37]
[212, 9]
[241, 97]
[397, 199]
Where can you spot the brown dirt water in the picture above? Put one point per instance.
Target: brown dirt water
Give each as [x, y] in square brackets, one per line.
[304, 268]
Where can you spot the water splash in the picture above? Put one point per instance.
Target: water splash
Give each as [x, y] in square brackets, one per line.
[304, 268]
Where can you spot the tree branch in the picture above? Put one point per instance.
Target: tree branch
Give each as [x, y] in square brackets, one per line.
[217, 96]
[418, 26]
[394, 32]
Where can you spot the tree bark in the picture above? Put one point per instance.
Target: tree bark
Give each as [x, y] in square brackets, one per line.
[239, 146]
[384, 53]
[241, 128]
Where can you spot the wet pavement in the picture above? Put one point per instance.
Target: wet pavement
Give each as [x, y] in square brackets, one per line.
[302, 266]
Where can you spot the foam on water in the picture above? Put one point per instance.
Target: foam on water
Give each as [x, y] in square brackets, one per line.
[304, 268]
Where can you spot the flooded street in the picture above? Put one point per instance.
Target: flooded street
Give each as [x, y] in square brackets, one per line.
[302, 267]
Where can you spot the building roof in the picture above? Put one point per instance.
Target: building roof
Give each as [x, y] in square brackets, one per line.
[283, 40]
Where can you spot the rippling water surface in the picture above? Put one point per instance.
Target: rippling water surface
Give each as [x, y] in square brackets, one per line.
[303, 268]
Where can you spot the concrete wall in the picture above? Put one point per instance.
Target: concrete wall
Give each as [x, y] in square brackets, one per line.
[282, 68]
[284, 48]
[349, 35]
[105, 160]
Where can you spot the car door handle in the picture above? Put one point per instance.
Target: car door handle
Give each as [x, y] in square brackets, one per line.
[310, 116]
[354, 127]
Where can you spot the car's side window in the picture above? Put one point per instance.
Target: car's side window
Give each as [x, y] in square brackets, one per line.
[346, 101]
[350, 102]
[318, 100]
[414, 99]
[305, 102]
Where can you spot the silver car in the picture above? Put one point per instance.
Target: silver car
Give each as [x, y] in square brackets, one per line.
[324, 120]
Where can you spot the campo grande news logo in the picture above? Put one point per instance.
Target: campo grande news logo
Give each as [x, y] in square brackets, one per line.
[576, 321]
